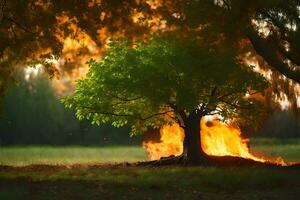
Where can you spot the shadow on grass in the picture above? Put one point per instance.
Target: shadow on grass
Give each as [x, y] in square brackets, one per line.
[111, 182]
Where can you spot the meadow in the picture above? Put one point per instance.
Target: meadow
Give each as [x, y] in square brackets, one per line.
[68, 155]
[288, 149]
[83, 173]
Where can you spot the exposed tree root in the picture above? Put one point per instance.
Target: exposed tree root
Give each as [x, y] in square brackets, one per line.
[181, 160]
[165, 161]
[222, 161]
[227, 161]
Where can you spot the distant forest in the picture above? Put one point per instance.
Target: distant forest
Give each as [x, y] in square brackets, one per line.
[32, 114]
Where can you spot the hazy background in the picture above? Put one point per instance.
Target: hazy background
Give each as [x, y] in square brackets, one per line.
[33, 115]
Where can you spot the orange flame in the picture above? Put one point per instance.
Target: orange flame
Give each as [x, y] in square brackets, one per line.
[218, 139]
[170, 143]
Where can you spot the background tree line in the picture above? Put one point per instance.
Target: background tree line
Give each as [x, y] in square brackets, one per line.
[34, 115]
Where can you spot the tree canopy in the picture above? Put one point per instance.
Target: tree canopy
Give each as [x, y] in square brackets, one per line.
[164, 80]
[33, 31]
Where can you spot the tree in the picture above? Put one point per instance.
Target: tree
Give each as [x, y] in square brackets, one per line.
[33, 32]
[164, 81]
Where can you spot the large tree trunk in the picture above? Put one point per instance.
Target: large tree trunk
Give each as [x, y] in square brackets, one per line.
[192, 150]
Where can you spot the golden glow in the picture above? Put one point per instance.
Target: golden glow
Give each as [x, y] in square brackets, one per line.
[154, 4]
[77, 50]
[79, 46]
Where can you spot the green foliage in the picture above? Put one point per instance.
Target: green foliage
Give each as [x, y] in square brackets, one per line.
[142, 84]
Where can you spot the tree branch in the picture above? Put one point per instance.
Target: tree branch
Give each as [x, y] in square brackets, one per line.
[281, 35]
[177, 121]
[181, 113]
[156, 114]
[235, 105]
[124, 99]
[138, 117]
[264, 49]
[115, 114]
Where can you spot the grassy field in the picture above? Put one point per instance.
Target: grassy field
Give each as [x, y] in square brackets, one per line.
[207, 183]
[288, 149]
[67, 180]
[20, 156]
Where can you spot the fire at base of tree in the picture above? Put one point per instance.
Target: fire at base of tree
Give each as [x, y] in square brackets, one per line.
[217, 139]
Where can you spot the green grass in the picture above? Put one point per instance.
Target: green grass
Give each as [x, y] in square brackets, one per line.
[288, 149]
[208, 183]
[20, 156]
[111, 182]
